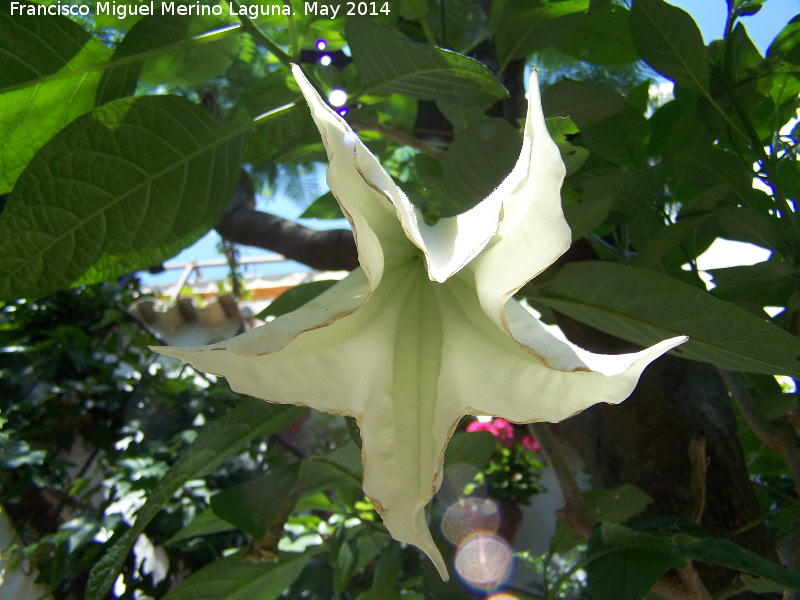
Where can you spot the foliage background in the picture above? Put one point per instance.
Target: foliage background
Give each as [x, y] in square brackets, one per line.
[122, 141]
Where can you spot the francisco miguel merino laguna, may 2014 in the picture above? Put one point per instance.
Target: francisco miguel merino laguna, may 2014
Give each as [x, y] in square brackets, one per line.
[123, 10]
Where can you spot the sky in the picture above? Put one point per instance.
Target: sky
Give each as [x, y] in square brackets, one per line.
[709, 16]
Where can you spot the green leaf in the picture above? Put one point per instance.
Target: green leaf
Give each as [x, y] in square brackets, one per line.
[192, 64]
[743, 58]
[354, 555]
[786, 46]
[703, 167]
[524, 26]
[603, 38]
[286, 137]
[629, 572]
[122, 188]
[694, 233]
[389, 63]
[340, 468]
[294, 298]
[615, 505]
[582, 102]
[562, 129]
[192, 52]
[237, 578]
[723, 552]
[473, 448]
[34, 108]
[642, 306]
[668, 39]
[621, 138]
[324, 207]
[215, 443]
[466, 23]
[206, 523]
[768, 283]
[476, 163]
[744, 224]
[679, 124]
[584, 216]
[387, 571]
[257, 505]
[759, 585]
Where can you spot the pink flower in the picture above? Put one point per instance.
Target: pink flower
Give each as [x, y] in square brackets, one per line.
[529, 443]
[499, 428]
[503, 431]
[481, 426]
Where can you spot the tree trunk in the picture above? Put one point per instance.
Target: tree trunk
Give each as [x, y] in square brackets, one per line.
[653, 441]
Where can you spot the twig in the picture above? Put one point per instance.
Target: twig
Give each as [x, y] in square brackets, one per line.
[397, 136]
[697, 484]
[782, 439]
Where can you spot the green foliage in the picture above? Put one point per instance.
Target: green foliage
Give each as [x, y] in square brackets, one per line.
[158, 156]
[658, 307]
[120, 144]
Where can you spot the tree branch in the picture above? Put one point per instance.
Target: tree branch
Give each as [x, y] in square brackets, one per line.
[331, 250]
[782, 439]
[397, 136]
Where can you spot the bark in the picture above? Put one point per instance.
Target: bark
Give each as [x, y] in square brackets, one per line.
[650, 441]
[331, 250]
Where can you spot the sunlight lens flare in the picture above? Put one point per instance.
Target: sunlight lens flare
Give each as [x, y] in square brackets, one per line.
[468, 516]
[484, 561]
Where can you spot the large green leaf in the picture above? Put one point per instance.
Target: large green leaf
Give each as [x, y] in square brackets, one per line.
[524, 26]
[625, 563]
[216, 443]
[236, 578]
[179, 50]
[261, 503]
[476, 163]
[769, 283]
[631, 570]
[206, 523]
[582, 102]
[193, 63]
[389, 63]
[295, 297]
[703, 167]
[621, 138]
[32, 107]
[339, 468]
[470, 448]
[724, 552]
[786, 46]
[669, 40]
[603, 38]
[614, 505]
[642, 306]
[122, 188]
[354, 554]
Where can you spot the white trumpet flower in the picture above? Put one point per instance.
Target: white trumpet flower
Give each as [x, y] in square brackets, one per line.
[426, 331]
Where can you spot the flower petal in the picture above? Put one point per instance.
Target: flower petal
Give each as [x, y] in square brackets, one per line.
[532, 376]
[360, 185]
[378, 363]
[367, 193]
[533, 232]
